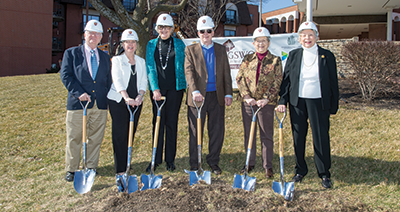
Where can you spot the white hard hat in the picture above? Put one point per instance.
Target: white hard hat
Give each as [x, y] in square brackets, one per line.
[308, 25]
[205, 22]
[129, 34]
[261, 32]
[94, 26]
[164, 20]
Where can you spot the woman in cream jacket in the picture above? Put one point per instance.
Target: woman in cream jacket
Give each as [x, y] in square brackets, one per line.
[129, 85]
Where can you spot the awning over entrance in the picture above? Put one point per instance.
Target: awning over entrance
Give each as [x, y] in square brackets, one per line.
[348, 18]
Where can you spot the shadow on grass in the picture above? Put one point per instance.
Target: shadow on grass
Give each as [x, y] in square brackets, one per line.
[349, 170]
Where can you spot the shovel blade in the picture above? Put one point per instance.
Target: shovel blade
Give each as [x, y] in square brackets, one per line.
[194, 177]
[83, 180]
[150, 182]
[132, 184]
[244, 182]
[284, 189]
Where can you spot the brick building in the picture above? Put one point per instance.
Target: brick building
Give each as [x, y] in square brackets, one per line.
[25, 44]
[36, 33]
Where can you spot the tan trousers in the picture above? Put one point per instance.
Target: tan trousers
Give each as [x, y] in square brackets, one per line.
[96, 124]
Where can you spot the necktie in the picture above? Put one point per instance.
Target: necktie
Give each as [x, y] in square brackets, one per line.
[93, 61]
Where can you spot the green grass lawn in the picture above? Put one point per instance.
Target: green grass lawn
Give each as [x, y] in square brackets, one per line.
[365, 146]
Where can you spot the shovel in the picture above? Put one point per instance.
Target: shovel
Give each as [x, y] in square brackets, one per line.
[196, 176]
[282, 188]
[84, 179]
[150, 181]
[131, 181]
[245, 181]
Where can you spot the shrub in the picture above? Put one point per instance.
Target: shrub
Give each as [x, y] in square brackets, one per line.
[376, 66]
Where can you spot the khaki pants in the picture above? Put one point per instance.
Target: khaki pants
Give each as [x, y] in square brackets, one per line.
[96, 120]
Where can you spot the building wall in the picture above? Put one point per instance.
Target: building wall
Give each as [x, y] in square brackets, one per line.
[278, 12]
[73, 20]
[377, 31]
[335, 46]
[25, 44]
[253, 9]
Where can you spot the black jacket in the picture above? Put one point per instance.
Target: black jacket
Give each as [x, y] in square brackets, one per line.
[289, 91]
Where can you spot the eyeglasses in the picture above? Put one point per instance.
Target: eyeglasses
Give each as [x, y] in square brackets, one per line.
[202, 31]
[261, 41]
[130, 41]
[164, 27]
[93, 33]
[303, 35]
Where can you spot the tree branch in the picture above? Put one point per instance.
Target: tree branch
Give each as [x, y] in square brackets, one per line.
[106, 12]
[122, 14]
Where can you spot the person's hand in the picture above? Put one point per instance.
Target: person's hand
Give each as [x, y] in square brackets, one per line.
[157, 95]
[250, 101]
[228, 101]
[84, 97]
[262, 102]
[281, 108]
[131, 102]
[197, 97]
[139, 99]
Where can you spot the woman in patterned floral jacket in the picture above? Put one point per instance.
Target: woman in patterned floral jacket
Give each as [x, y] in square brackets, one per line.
[259, 79]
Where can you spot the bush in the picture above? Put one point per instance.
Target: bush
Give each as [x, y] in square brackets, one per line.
[376, 66]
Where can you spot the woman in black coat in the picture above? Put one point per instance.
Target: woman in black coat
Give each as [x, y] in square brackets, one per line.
[310, 85]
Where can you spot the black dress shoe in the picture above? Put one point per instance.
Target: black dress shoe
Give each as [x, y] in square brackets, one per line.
[326, 182]
[297, 178]
[216, 169]
[70, 176]
[244, 169]
[269, 173]
[194, 168]
[171, 166]
[148, 169]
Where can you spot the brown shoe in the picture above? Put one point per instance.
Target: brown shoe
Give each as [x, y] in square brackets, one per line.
[269, 173]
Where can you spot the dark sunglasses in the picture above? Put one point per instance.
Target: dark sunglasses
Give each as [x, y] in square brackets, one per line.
[203, 31]
[163, 27]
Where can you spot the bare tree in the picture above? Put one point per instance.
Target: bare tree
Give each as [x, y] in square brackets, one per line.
[140, 19]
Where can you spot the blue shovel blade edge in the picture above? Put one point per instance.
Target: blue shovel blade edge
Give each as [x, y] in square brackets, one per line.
[244, 182]
[83, 181]
[132, 184]
[150, 182]
[194, 178]
[286, 190]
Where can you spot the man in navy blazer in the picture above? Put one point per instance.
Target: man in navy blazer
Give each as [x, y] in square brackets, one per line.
[86, 73]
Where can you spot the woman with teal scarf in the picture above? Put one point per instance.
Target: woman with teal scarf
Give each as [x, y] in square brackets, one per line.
[165, 59]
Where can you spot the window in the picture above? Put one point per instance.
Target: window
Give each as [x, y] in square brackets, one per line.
[129, 5]
[84, 4]
[231, 16]
[251, 16]
[230, 33]
[91, 17]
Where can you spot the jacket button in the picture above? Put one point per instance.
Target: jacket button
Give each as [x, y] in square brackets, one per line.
[93, 91]
[94, 81]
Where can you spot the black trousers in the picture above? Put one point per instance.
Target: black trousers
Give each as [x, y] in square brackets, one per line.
[319, 120]
[120, 131]
[168, 124]
[215, 126]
